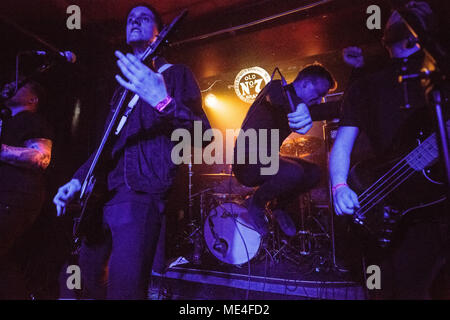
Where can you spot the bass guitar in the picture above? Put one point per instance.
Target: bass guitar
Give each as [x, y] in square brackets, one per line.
[389, 190]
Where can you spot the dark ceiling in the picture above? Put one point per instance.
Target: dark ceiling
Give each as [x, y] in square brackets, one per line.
[105, 17]
[100, 11]
[217, 38]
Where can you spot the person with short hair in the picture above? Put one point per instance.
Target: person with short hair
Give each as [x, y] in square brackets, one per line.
[139, 170]
[26, 150]
[271, 110]
[375, 105]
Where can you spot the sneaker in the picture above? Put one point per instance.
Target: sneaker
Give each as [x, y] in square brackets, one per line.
[285, 222]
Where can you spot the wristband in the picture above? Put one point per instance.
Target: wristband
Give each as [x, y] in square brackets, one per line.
[163, 103]
[333, 190]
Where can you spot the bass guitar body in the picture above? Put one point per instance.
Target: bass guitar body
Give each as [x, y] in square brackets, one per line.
[389, 189]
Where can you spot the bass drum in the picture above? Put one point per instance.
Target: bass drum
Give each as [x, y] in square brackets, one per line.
[229, 234]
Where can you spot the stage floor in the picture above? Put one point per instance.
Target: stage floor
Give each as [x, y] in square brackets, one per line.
[311, 278]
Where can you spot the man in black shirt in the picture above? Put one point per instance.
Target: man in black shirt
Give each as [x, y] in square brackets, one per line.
[377, 105]
[140, 170]
[26, 146]
[271, 110]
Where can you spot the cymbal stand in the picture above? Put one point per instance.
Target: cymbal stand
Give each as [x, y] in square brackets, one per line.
[194, 227]
[284, 247]
[329, 133]
[307, 241]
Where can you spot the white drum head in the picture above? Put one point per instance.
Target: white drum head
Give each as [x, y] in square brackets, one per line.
[229, 234]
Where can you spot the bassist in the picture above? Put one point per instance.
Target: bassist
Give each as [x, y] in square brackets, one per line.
[380, 107]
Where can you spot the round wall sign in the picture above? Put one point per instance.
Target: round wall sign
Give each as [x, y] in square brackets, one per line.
[249, 82]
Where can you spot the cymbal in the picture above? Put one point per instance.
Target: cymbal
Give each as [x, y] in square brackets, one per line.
[224, 183]
[301, 146]
[217, 175]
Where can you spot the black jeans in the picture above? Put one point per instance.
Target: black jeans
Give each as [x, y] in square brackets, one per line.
[119, 266]
[17, 214]
[419, 252]
[294, 176]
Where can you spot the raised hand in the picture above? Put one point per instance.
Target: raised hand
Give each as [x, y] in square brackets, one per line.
[148, 85]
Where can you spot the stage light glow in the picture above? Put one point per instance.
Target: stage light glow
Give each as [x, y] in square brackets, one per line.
[211, 101]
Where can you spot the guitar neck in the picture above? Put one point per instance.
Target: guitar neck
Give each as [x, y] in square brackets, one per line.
[105, 139]
[424, 155]
[148, 54]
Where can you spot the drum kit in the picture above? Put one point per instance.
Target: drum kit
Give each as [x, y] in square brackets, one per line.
[222, 228]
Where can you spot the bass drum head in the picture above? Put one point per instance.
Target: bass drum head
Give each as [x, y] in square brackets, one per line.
[229, 234]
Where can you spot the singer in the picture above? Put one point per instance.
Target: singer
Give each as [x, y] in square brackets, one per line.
[139, 171]
[271, 110]
[26, 148]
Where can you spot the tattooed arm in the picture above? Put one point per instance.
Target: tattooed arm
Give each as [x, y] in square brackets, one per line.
[35, 155]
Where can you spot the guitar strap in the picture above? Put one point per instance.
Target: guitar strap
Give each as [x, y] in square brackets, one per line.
[134, 101]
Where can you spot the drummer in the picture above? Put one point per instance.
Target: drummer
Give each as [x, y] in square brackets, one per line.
[271, 110]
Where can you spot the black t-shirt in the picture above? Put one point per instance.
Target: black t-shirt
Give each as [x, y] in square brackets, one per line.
[268, 111]
[375, 104]
[16, 130]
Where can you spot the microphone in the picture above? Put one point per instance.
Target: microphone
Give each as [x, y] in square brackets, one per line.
[286, 91]
[68, 56]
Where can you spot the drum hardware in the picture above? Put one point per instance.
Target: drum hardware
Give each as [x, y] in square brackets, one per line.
[330, 129]
[229, 235]
[195, 238]
[305, 248]
[305, 208]
[225, 183]
[303, 235]
[193, 227]
[194, 235]
[226, 197]
[217, 175]
[218, 209]
[301, 146]
[221, 227]
[225, 229]
[307, 244]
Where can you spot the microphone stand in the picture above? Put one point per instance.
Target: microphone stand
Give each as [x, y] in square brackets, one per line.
[285, 89]
[41, 69]
[5, 113]
[35, 37]
[435, 76]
